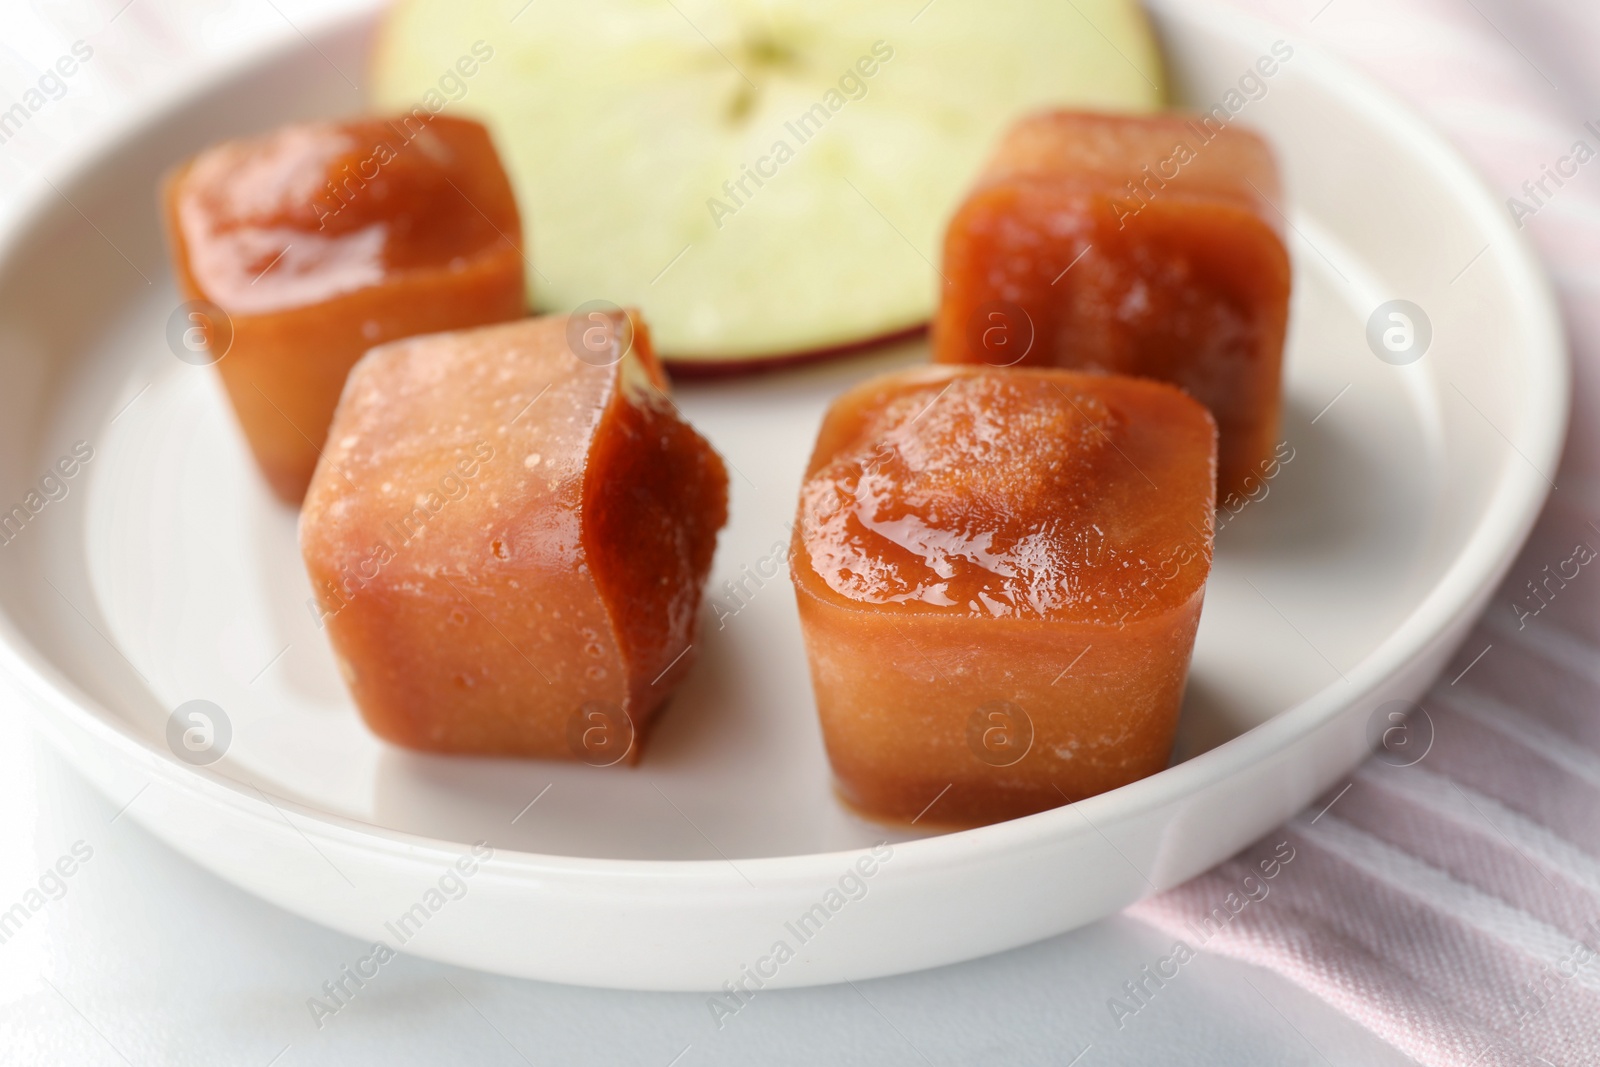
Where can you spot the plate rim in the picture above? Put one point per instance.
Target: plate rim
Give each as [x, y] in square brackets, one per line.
[1501, 528]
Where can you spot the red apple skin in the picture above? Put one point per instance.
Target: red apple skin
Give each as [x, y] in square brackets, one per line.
[719, 367]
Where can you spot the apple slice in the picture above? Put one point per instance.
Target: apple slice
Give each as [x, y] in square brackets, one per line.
[762, 177]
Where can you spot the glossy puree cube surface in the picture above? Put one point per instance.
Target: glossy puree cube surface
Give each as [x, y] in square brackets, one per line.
[508, 536]
[999, 575]
[1141, 245]
[318, 241]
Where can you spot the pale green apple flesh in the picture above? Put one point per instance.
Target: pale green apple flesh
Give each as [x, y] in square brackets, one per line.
[762, 179]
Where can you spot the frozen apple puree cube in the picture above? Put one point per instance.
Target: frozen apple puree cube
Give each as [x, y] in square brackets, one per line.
[317, 241]
[1142, 245]
[999, 575]
[508, 542]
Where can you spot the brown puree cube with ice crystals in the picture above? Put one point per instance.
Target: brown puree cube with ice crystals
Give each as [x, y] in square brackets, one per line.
[1143, 245]
[999, 575]
[318, 241]
[508, 543]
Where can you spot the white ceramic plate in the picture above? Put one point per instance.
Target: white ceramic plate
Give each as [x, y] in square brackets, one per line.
[166, 574]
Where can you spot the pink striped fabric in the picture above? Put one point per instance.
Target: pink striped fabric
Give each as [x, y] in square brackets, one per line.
[1453, 906]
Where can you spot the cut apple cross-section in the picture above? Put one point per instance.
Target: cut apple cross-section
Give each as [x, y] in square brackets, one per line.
[999, 576]
[764, 178]
[508, 537]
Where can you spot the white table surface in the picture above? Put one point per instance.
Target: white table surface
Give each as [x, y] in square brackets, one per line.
[146, 959]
